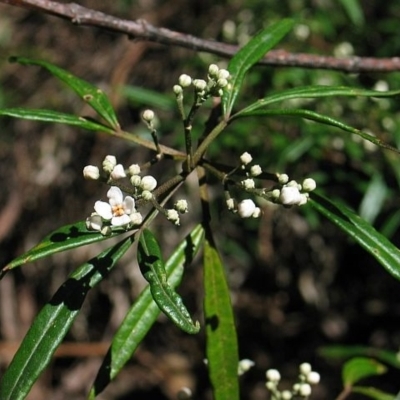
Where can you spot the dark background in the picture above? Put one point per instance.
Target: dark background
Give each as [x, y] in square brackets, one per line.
[297, 282]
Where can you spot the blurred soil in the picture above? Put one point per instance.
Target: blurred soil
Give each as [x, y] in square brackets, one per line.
[294, 288]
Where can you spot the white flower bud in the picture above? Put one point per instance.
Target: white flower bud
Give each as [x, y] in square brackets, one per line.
[255, 170]
[246, 158]
[136, 218]
[270, 385]
[222, 83]
[134, 169]
[230, 203]
[91, 172]
[256, 213]
[303, 200]
[305, 390]
[309, 185]
[148, 115]
[148, 183]
[223, 74]
[199, 84]
[290, 196]
[173, 216]
[273, 375]
[147, 195]
[244, 366]
[286, 395]
[283, 178]
[118, 172]
[313, 378]
[181, 206]
[275, 194]
[136, 180]
[94, 222]
[185, 80]
[213, 70]
[177, 89]
[109, 163]
[305, 368]
[246, 208]
[248, 184]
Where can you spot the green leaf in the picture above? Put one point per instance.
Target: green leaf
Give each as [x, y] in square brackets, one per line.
[341, 352]
[373, 393]
[359, 368]
[90, 94]
[56, 117]
[322, 119]
[249, 55]
[53, 322]
[222, 347]
[361, 231]
[313, 92]
[153, 269]
[143, 314]
[354, 11]
[65, 238]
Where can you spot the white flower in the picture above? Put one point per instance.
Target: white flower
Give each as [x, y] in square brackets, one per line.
[148, 183]
[118, 209]
[256, 212]
[91, 172]
[136, 218]
[118, 172]
[313, 378]
[246, 208]
[246, 158]
[290, 195]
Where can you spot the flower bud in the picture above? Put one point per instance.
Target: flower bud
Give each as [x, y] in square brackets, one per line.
[147, 195]
[200, 84]
[177, 89]
[246, 208]
[213, 70]
[109, 163]
[309, 185]
[136, 218]
[148, 115]
[313, 378]
[248, 184]
[181, 206]
[273, 375]
[290, 195]
[91, 172]
[134, 169]
[246, 158]
[185, 80]
[305, 368]
[136, 180]
[118, 172]
[148, 183]
[222, 83]
[283, 179]
[255, 170]
[173, 216]
[244, 366]
[223, 74]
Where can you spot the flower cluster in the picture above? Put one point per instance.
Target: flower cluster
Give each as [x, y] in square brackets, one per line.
[217, 80]
[301, 389]
[286, 192]
[120, 211]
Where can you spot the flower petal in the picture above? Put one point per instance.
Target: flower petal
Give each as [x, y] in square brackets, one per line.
[129, 204]
[115, 195]
[103, 209]
[121, 220]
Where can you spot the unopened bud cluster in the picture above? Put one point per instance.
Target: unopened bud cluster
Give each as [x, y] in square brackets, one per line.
[217, 80]
[120, 211]
[302, 389]
[286, 192]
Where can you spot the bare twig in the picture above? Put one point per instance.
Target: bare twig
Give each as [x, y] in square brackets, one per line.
[142, 30]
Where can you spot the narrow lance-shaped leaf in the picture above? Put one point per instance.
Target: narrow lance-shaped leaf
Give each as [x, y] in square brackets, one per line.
[322, 119]
[143, 314]
[55, 117]
[153, 269]
[374, 393]
[65, 238]
[54, 321]
[249, 55]
[92, 95]
[222, 348]
[316, 91]
[387, 254]
[359, 368]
